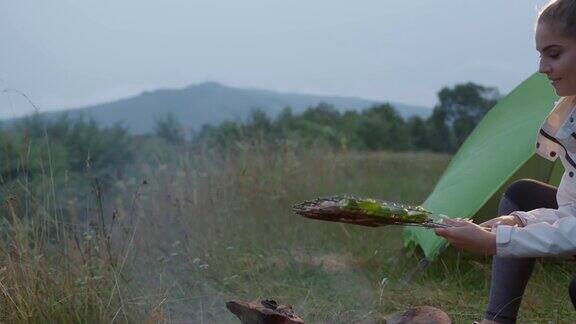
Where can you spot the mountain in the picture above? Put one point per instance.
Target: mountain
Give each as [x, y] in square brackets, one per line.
[212, 103]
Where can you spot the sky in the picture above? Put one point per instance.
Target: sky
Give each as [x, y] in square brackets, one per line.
[71, 53]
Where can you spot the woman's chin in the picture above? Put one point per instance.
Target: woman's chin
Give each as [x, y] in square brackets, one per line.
[564, 92]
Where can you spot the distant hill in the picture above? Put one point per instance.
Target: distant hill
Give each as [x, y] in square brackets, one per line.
[212, 103]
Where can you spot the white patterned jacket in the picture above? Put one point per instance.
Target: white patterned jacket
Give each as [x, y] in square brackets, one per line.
[545, 231]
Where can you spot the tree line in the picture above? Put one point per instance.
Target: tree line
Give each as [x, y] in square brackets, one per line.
[458, 111]
[36, 146]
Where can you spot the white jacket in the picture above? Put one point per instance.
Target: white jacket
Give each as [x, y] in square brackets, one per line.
[549, 232]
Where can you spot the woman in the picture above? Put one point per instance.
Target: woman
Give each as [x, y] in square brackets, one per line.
[537, 219]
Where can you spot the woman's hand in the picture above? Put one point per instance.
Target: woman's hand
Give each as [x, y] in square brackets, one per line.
[502, 220]
[468, 236]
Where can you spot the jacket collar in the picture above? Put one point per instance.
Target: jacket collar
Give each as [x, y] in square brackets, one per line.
[556, 118]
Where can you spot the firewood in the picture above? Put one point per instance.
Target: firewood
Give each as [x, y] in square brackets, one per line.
[263, 312]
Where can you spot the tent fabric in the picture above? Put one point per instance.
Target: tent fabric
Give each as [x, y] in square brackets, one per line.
[499, 151]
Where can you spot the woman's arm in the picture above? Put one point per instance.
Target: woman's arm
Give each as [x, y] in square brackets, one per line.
[547, 215]
[538, 240]
[468, 236]
[534, 240]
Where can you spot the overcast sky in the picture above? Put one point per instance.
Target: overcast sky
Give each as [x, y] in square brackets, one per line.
[65, 53]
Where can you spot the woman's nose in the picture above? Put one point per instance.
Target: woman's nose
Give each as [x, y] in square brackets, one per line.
[544, 67]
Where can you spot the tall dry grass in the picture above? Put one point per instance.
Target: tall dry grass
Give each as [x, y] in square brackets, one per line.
[54, 271]
[189, 231]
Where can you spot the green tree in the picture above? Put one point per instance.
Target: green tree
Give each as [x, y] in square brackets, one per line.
[170, 129]
[285, 119]
[419, 134]
[323, 114]
[462, 107]
[381, 128]
[258, 123]
[440, 138]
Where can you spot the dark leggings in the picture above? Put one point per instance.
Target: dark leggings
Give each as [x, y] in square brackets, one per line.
[510, 275]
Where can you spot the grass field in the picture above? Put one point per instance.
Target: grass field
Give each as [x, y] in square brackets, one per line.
[189, 232]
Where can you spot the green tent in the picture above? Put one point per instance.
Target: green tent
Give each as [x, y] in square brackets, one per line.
[499, 151]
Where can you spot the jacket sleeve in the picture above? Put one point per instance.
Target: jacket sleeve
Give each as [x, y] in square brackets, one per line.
[538, 239]
[546, 215]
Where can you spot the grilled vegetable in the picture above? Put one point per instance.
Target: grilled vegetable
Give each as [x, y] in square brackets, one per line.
[385, 210]
[365, 211]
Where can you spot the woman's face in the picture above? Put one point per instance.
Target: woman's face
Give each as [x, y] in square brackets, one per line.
[557, 59]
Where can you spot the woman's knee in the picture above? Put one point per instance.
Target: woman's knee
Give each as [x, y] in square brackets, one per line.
[572, 291]
[528, 194]
[513, 197]
[517, 188]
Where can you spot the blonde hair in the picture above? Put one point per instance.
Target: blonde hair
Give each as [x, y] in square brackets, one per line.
[560, 16]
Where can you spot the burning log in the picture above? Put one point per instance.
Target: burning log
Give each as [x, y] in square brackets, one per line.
[269, 312]
[263, 312]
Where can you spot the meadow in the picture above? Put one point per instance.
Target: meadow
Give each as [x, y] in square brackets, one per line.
[184, 231]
